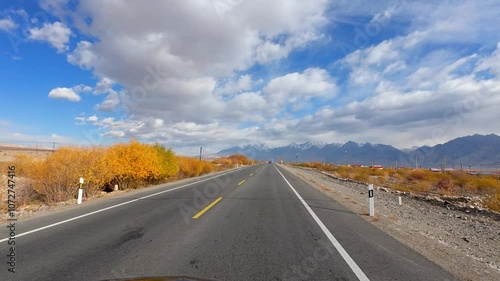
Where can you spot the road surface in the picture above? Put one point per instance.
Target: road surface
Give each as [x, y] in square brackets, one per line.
[254, 223]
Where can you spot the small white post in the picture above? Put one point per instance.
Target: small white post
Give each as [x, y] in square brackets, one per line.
[116, 187]
[399, 201]
[80, 192]
[370, 200]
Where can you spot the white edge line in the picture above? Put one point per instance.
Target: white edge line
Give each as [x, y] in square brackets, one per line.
[352, 264]
[114, 206]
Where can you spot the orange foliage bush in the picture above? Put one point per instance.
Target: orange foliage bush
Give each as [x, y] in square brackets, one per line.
[485, 184]
[189, 167]
[192, 167]
[56, 178]
[423, 181]
[167, 162]
[444, 181]
[130, 165]
[417, 175]
[493, 201]
[233, 160]
[223, 162]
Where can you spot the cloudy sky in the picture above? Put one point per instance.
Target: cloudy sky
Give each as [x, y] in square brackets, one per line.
[218, 73]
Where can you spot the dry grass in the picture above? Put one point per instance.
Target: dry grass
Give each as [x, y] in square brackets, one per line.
[423, 181]
[55, 178]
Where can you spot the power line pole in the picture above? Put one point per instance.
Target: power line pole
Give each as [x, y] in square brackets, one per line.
[201, 149]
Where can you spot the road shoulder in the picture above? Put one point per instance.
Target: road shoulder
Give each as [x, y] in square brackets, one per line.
[464, 244]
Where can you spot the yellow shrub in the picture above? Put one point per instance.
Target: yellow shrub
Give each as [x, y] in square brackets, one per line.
[57, 178]
[131, 165]
[24, 164]
[444, 181]
[207, 167]
[422, 186]
[493, 201]
[167, 162]
[424, 181]
[362, 177]
[417, 175]
[487, 184]
[189, 167]
[240, 159]
[223, 162]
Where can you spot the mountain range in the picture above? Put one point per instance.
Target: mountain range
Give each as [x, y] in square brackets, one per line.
[478, 151]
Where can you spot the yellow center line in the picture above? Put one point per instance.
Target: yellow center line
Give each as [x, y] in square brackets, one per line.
[251, 174]
[241, 182]
[207, 208]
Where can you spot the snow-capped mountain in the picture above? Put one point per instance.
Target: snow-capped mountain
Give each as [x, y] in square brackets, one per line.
[471, 150]
[350, 152]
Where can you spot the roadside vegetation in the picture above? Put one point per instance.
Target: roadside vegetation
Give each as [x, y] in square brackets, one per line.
[421, 181]
[130, 165]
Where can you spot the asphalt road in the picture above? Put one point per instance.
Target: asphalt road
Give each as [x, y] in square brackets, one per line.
[263, 223]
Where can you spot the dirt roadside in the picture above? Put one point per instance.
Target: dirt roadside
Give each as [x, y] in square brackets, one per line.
[465, 244]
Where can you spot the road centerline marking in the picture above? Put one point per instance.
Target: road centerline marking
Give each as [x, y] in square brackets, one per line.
[241, 182]
[115, 206]
[251, 174]
[207, 208]
[352, 264]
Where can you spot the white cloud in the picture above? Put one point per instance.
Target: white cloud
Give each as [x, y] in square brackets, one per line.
[7, 24]
[172, 70]
[80, 120]
[82, 88]
[181, 81]
[82, 55]
[269, 51]
[232, 87]
[111, 102]
[491, 63]
[71, 94]
[299, 87]
[56, 7]
[57, 34]
[92, 118]
[64, 93]
[381, 52]
[104, 85]
[169, 35]
[245, 106]
[158, 123]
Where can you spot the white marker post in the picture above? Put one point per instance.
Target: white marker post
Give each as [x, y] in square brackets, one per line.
[370, 200]
[80, 192]
[399, 201]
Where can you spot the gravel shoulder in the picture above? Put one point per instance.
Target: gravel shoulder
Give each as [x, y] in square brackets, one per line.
[465, 244]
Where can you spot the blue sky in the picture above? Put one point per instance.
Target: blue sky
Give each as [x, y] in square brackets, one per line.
[218, 73]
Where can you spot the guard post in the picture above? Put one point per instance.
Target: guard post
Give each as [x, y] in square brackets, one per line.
[80, 192]
[370, 200]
